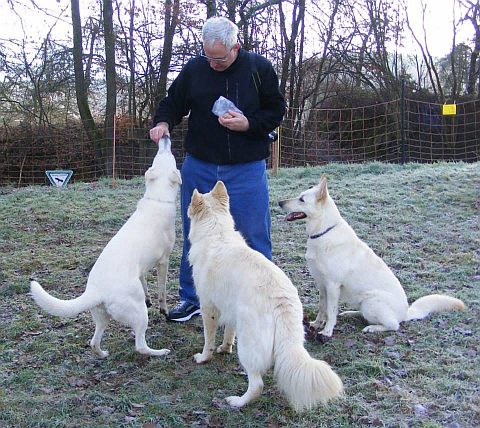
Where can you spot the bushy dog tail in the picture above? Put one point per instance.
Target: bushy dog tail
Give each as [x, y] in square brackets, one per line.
[58, 307]
[305, 381]
[427, 305]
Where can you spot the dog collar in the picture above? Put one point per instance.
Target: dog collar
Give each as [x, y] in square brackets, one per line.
[322, 233]
[159, 200]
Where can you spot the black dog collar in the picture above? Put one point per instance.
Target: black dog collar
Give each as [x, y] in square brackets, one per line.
[322, 233]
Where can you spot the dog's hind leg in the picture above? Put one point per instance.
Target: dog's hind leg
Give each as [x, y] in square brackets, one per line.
[148, 301]
[228, 340]
[135, 315]
[350, 314]
[162, 269]
[101, 319]
[256, 357]
[210, 317]
[379, 315]
[139, 325]
[254, 390]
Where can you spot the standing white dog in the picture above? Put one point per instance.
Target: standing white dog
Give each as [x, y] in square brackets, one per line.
[116, 287]
[346, 269]
[244, 291]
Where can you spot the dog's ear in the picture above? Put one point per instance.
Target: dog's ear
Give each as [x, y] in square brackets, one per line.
[151, 174]
[322, 188]
[219, 192]
[196, 204]
[176, 177]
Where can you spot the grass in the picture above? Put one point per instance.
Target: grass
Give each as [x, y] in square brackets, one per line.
[422, 219]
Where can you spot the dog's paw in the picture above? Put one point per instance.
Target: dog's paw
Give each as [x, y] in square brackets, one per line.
[317, 324]
[375, 328]
[326, 332]
[200, 359]
[225, 349]
[235, 401]
[160, 352]
[101, 354]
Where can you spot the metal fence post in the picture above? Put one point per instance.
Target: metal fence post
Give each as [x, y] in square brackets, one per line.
[402, 121]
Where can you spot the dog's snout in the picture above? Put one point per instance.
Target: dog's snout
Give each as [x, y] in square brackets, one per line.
[281, 203]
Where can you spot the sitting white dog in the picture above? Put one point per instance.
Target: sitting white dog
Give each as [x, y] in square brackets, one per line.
[346, 269]
[244, 291]
[116, 287]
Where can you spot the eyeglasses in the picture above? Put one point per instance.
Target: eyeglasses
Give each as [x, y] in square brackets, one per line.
[217, 60]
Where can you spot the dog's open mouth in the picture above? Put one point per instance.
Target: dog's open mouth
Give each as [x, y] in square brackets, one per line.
[297, 215]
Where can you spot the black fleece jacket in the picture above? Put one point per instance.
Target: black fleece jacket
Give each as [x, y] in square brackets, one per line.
[198, 86]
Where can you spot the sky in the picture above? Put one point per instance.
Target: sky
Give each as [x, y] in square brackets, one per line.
[439, 24]
[439, 18]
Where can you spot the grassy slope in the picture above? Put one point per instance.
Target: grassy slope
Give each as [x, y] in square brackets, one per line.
[422, 219]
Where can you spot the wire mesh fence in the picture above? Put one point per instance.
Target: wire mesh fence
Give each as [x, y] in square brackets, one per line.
[396, 131]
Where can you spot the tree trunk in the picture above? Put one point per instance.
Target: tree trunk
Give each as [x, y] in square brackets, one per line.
[110, 77]
[172, 10]
[80, 88]
[473, 68]
[211, 7]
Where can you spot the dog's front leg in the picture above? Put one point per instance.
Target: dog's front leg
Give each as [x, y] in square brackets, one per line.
[228, 340]
[210, 324]
[162, 268]
[332, 291]
[322, 308]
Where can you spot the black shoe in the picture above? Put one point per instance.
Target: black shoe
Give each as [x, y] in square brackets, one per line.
[183, 312]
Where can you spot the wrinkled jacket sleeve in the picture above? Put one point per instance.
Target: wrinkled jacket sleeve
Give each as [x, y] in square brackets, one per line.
[175, 105]
[272, 104]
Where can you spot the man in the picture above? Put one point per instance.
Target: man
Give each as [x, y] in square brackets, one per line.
[232, 147]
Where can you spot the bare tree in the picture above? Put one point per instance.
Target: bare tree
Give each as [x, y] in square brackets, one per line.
[427, 57]
[211, 6]
[80, 84]
[473, 16]
[172, 10]
[111, 82]
[128, 45]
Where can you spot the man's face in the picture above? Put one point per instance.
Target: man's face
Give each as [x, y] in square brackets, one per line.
[219, 57]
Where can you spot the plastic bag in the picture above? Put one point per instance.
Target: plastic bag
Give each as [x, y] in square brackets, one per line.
[223, 105]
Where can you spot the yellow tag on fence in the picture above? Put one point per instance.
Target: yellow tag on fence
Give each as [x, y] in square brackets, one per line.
[449, 109]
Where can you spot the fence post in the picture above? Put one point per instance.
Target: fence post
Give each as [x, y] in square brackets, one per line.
[402, 121]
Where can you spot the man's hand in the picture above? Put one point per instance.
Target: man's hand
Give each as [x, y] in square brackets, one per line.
[234, 121]
[160, 131]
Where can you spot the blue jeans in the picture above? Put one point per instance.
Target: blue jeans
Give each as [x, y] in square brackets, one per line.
[247, 187]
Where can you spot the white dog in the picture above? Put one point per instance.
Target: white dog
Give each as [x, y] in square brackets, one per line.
[116, 287]
[244, 291]
[346, 269]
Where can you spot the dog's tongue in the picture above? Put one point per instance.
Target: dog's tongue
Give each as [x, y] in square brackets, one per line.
[295, 216]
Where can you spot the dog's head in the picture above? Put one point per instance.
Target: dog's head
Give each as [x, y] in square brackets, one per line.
[210, 211]
[308, 204]
[163, 179]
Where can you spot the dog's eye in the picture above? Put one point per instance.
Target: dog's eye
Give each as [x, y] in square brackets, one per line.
[301, 199]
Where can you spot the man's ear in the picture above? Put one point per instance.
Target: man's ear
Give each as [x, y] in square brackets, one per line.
[322, 192]
[219, 192]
